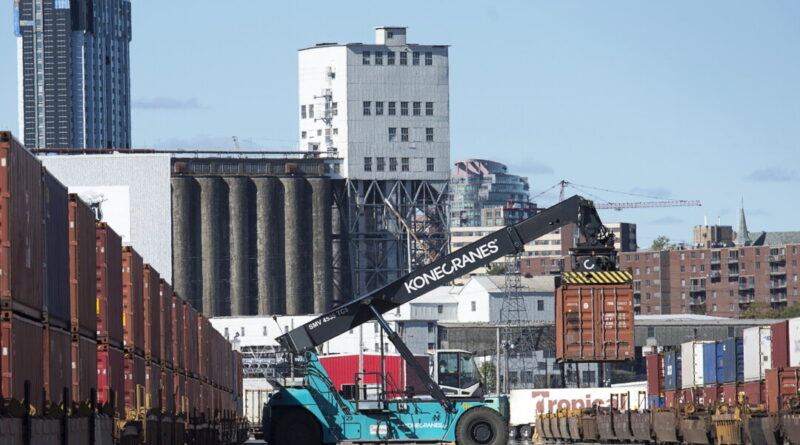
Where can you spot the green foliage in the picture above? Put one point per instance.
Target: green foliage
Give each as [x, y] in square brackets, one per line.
[764, 310]
[488, 376]
[660, 243]
[496, 270]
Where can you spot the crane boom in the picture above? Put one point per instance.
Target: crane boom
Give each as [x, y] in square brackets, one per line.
[636, 205]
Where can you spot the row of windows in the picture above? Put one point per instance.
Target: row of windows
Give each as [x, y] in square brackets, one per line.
[380, 164]
[328, 132]
[307, 111]
[391, 108]
[404, 134]
[366, 57]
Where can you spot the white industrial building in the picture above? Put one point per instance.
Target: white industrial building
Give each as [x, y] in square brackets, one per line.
[383, 107]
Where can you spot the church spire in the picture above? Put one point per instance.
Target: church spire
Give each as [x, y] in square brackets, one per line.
[742, 236]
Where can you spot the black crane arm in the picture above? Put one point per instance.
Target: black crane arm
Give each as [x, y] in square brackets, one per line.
[596, 249]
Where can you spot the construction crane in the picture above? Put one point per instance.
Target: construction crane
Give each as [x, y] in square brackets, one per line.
[603, 204]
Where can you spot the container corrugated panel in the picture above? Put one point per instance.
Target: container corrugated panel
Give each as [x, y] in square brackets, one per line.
[55, 210]
[134, 367]
[203, 346]
[165, 339]
[655, 373]
[594, 323]
[780, 344]
[711, 394]
[670, 398]
[190, 341]
[195, 396]
[794, 342]
[655, 401]
[240, 373]
[730, 392]
[57, 356]
[781, 384]
[108, 279]
[710, 364]
[756, 392]
[82, 268]
[730, 360]
[692, 364]
[21, 341]
[84, 368]
[672, 370]
[152, 313]
[178, 355]
[168, 389]
[152, 384]
[179, 389]
[132, 301]
[757, 348]
[111, 377]
[21, 237]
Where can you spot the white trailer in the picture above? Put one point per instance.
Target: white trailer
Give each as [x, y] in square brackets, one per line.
[256, 394]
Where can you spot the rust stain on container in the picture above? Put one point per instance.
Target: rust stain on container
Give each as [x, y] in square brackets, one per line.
[594, 323]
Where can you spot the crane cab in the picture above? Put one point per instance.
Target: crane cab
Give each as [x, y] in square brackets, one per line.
[455, 371]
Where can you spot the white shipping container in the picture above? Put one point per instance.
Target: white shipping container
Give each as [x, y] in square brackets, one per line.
[794, 342]
[692, 364]
[256, 394]
[525, 404]
[757, 352]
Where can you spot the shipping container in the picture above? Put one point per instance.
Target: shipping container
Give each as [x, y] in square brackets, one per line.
[181, 401]
[711, 394]
[168, 390]
[178, 345]
[671, 398]
[756, 392]
[152, 385]
[342, 370]
[132, 301]
[108, 254]
[730, 360]
[151, 290]
[692, 364]
[84, 368]
[111, 377]
[134, 383]
[190, 341]
[82, 268]
[21, 341]
[672, 370]
[710, 363]
[166, 327]
[55, 210]
[780, 344]
[21, 237]
[57, 367]
[757, 348]
[694, 395]
[655, 401]
[655, 373]
[782, 383]
[594, 323]
[794, 342]
[729, 393]
[204, 330]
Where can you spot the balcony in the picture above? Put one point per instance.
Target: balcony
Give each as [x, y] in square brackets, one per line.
[777, 271]
[715, 260]
[781, 284]
[745, 284]
[695, 301]
[733, 273]
[714, 274]
[637, 301]
[781, 298]
[776, 258]
[746, 299]
[734, 259]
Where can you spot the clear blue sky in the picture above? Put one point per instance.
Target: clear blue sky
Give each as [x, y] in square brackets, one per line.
[679, 99]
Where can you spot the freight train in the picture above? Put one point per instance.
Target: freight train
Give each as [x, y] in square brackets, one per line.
[740, 390]
[92, 335]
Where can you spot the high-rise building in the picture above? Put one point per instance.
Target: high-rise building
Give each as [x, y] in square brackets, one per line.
[73, 73]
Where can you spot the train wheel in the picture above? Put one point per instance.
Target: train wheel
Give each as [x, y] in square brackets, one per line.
[481, 426]
[296, 427]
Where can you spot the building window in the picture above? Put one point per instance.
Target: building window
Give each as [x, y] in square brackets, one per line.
[226, 333]
[430, 328]
[428, 58]
[302, 111]
[651, 331]
[403, 58]
[319, 132]
[430, 164]
[539, 305]
[392, 134]
[390, 58]
[365, 57]
[392, 164]
[473, 306]
[404, 164]
[431, 346]
[265, 331]
[378, 57]
[392, 108]
[335, 131]
[439, 309]
[403, 108]
[428, 108]
[334, 109]
[415, 58]
[429, 135]
[242, 331]
[367, 107]
[367, 164]
[311, 111]
[303, 134]
[378, 108]
[417, 108]
[380, 163]
[404, 135]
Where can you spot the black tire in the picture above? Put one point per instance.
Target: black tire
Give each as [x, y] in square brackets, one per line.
[296, 426]
[481, 426]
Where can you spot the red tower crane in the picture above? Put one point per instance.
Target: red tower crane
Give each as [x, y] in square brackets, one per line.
[563, 184]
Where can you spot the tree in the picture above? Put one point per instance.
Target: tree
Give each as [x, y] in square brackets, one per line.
[660, 243]
[496, 270]
[488, 375]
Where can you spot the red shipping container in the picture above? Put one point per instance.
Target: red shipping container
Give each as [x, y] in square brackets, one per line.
[730, 393]
[670, 398]
[756, 392]
[240, 375]
[342, 370]
[178, 345]
[152, 385]
[134, 383]
[21, 237]
[84, 368]
[203, 353]
[179, 385]
[82, 268]
[57, 366]
[692, 395]
[711, 394]
[780, 344]
[190, 341]
[194, 396]
[165, 339]
[782, 384]
[594, 323]
[55, 211]
[20, 339]
[152, 313]
[132, 301]
[108, 255]
[655, 374]
[168, 390]
[111, 377]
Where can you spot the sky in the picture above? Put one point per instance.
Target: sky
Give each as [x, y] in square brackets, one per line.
[671, 99]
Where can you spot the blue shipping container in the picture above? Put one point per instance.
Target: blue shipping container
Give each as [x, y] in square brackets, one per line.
[654, 402]
[672, 370]
[730, 360]
[710, 363]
